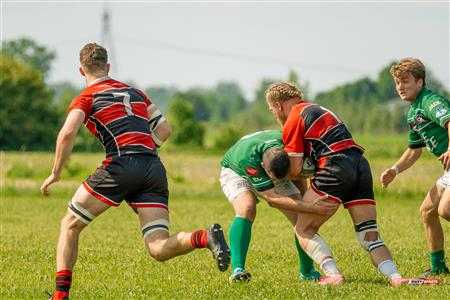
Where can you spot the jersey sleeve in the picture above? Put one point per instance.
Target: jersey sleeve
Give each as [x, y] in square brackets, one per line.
[438, 110]
[257, 177]
[293, 135]
[414, 140]
[148, 101]
[82, 104]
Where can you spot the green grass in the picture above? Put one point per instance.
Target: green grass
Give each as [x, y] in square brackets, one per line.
[113, 263]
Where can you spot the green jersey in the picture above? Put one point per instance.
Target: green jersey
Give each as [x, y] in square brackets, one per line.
[245, 157]
[427, 118]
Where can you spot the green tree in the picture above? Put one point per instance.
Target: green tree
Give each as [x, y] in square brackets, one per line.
[161, 95]
[28, 120]
[185, 129]
[29, 52]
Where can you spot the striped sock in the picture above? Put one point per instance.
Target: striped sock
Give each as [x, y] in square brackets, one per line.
[63, 282]
[199, 239]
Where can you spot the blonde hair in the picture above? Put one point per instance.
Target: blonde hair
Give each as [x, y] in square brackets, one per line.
[283, 91]
[407, 66]
[93, 57]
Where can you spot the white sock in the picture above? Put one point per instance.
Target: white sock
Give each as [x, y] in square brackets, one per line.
[329, 267]
[389, 269]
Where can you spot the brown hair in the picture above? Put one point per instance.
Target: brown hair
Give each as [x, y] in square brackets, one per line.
[277, 161]
[407, 66]
[283, 91]
[93, 57]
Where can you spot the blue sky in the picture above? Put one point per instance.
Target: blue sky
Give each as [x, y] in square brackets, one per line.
[199, 43]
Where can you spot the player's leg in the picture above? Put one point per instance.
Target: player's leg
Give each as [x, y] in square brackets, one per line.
[155, 230]
[444, 205]
[307, 271]
[364, 217]
[306, 229]
[433, 228]
[243, 199]
[83, 208]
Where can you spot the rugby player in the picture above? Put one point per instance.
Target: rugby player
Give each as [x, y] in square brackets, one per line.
[257, 165]
[428, 120]
[130, 128]
[343, 175]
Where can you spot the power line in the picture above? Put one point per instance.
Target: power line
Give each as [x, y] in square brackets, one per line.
[241, 56]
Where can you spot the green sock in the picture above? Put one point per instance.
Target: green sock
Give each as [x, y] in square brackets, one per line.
[240, 235]
[306, 263]
[437, 260]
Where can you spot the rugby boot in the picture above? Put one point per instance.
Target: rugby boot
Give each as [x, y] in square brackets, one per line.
[58, 295]
[331, 280]
[240, 275]
[218, 246]
[431, 273]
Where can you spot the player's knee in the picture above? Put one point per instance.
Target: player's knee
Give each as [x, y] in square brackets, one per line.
[368, 236]
[154, 234]
[156, 251]
[428, 212]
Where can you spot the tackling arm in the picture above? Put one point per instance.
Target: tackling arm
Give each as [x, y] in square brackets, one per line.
[296, 204]
[408, 158]
[64, 145]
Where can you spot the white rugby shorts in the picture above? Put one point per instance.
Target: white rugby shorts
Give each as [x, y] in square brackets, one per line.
[234, 185]
[444, 181]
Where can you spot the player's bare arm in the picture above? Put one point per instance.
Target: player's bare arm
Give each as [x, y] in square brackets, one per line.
[64, 145]
[408, 158]
[318, 206]
[158, 124]
[445, 157]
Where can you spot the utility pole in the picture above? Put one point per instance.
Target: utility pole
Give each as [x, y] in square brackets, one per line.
[107, 40]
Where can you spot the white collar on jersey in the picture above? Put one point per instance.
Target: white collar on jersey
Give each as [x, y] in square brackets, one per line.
[99, 79]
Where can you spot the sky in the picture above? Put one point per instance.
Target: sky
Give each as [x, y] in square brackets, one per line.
[199, 43]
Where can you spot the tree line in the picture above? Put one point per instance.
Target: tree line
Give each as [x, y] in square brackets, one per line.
[32, 110]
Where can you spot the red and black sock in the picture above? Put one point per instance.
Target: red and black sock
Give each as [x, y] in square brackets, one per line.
[63, 282]
[198, 239]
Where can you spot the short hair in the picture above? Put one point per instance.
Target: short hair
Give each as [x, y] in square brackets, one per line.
[276, 161]
[93, 57]
[407, 66]
[283, 91]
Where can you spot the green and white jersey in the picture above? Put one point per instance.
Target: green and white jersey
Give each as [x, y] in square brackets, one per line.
[427, 118]
[245, 157]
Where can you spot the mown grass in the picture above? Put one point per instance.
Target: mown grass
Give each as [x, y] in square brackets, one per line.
[113, 263]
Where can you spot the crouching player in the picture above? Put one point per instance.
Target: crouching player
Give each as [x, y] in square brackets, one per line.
[256, 166]
[120, 116]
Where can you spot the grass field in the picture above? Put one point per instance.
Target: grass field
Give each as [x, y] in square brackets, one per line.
[113, 263]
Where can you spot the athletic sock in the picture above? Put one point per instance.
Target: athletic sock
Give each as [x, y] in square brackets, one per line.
[389, 269]
[437, 260]
[329, 267]
[240, 235]
[199, 239]
[306, 263]
[63, 281]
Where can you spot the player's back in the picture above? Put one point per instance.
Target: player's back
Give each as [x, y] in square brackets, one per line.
[117, 115]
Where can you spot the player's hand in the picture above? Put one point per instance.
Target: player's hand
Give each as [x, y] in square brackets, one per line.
[387, 177]
[47, 182]
[445, 159]
[322, 206]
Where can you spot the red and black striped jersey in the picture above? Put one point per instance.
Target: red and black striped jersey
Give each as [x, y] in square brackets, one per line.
[315, 131]
[117, 115]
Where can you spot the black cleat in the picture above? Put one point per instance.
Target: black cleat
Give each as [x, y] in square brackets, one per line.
[430, 273]
[218, 246]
